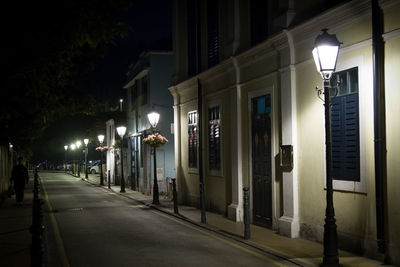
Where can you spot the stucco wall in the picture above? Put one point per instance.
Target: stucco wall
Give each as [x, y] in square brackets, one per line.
[392, 88]
[354, 211]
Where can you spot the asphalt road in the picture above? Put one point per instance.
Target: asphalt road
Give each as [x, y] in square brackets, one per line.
[87, 225]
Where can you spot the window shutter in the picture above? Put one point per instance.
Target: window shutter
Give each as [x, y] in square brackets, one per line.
[345, 138]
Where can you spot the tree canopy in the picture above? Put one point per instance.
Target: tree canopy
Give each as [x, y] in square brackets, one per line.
[47, 45]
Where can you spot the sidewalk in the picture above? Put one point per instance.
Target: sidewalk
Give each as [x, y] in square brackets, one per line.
[15, 238]
[300, 251]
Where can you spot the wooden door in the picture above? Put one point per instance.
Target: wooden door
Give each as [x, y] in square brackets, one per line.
[261, 160]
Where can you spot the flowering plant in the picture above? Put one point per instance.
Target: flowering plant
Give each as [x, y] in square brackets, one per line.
[155, 140]
[102, 148]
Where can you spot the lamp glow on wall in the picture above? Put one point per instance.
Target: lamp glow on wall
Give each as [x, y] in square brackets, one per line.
[121, 132]
[325, 53]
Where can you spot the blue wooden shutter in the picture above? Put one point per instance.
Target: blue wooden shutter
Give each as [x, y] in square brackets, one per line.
[345, 138]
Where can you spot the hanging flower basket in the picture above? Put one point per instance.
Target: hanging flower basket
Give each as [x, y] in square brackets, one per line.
[102, 148]
[155, 140]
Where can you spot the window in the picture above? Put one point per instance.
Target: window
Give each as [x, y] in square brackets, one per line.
[345, 126]
[212, 33]
[193, 139]
[214, 139]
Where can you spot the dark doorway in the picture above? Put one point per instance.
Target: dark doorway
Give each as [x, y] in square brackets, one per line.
[261, 160]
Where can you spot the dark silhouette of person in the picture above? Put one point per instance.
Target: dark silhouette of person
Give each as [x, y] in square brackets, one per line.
[19, 177]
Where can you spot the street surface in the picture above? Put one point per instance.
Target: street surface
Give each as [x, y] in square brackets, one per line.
[87, 225]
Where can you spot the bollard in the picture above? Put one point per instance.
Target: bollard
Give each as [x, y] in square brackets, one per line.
[109, 179]
[246, 213]
[175, 195]
[37, 228]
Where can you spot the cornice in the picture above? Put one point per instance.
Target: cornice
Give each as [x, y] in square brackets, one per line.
[391, 34]
[141, 74]
[333, 19]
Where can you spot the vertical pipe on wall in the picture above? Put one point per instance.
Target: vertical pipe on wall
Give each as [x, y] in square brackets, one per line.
[200, 110]
[200, 147]
[379, 123]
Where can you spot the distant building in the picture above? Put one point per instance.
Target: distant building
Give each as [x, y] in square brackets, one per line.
[147, 89]
[253, 61]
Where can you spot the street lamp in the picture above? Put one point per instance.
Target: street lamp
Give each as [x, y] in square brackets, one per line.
[101, 139]
[86, 141]
[65, 161]
[154, 117]
[325, 53]
[78, 144]
[121, 132]
[72, 146]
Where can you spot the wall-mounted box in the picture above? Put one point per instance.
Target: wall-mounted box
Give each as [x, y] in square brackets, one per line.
[286, 153]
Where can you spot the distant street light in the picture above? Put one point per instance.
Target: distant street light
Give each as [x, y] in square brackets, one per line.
[86, 141]
[120, 104]
[325, 52]
[78, 145]
[72, 146]
[101, 139]
[154, 117]
[121, 132]
[65, 161]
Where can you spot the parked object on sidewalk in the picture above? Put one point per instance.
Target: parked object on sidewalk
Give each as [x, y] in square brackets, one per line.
[19, 177]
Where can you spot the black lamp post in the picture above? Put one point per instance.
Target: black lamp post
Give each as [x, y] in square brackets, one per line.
[65, 161]
[121, 132]
[153, 119]
[72, 146]
[78, 145]
[86, 141]
[325, 53]
[101, 139]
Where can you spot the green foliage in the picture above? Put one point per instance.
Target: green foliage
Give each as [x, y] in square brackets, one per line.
[48, 44]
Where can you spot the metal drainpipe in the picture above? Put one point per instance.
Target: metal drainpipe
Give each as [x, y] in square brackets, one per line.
[379, 123]
[200, 144]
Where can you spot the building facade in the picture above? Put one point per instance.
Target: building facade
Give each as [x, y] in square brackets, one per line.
[147, 90]
[263, 123]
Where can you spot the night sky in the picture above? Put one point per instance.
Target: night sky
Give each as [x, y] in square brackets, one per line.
[150, 23]
[150, 28]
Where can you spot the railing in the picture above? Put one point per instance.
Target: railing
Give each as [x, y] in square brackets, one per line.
[37, 227]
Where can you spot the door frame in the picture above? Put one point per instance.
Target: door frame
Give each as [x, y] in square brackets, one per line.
[250, 95]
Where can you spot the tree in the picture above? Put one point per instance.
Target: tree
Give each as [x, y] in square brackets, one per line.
[47, 45]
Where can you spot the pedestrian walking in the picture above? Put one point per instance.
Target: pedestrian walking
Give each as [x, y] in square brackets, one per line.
[19, 177]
